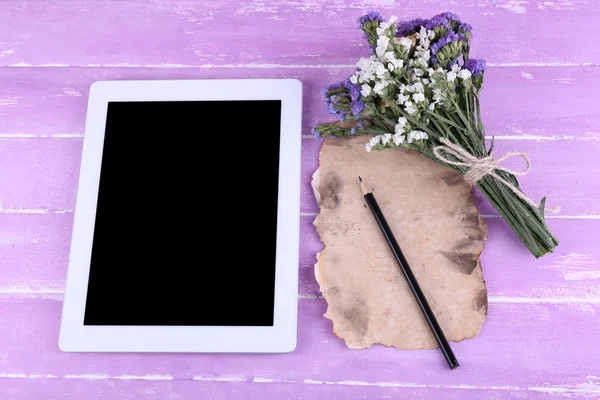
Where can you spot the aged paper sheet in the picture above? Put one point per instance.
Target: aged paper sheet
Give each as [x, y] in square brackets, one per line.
[433, 215]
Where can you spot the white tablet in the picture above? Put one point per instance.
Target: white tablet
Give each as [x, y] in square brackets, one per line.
[186, 225]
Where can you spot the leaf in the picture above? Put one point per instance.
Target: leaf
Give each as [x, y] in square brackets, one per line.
[491, 146]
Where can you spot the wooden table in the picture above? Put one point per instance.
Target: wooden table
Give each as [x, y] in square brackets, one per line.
[542, 338]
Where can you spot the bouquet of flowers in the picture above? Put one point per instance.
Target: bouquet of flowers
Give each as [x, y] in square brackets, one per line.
[420, 90]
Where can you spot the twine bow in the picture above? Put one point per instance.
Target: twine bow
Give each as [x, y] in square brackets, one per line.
[481, 167]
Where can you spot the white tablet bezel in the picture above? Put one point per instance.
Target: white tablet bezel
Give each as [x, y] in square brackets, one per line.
[279, 338]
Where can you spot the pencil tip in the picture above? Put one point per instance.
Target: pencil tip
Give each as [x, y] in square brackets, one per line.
[362, 185]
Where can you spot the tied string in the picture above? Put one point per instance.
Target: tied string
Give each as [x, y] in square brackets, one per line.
[481, 167]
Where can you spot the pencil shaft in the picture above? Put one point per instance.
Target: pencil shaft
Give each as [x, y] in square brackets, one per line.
[412, 282]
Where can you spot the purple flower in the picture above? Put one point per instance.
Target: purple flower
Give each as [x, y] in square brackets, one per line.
[372, 16]
[316, 134]
[450, 37]
[353, 131]
[331, 99]
[347, 84]
[355, 92]
[330, 107]
[342, 115]
[475, 66]
[451, 63]
[357, 107]
[433, 60]
[438, 20]
[449, 16]
[407, 27]
[464, 27]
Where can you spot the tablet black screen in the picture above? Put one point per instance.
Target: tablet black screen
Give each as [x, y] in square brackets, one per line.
[185, 229]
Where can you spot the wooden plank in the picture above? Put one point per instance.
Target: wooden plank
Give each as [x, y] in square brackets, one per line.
[546, 346]
[39, 174]
[35, 250]
[42, 173]
[570, 275]
[564, 171]
[536, 103]
[258, 389]
[183, 33]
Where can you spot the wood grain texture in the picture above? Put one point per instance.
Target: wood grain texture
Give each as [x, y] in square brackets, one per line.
[263, 389]
[540, 97]
[39, 173]
[570, 275]
[42, 173]
[552, 103]
[571, 185]
[184, 33]
[515, 335]
[35, 249]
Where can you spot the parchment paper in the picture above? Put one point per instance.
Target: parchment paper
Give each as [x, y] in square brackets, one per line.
[432, 212]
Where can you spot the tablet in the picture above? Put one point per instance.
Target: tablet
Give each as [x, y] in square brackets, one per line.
[186, 224]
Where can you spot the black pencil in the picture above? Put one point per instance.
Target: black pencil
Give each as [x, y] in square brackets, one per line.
[410, 278]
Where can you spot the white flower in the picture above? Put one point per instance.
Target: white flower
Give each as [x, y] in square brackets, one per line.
[379, 86]
[464, 74]
[406, 42]
[382, 45]
[456, 68]
[354, 79]
[368, 147]
[366, 77]
[418, 97]
[417, 135]
[388, 56]
[430, 35]
[392, 19]
[386, 138]
[418, 87]
[395, 64]
[399, 128]
[418, 72]
[432, 107]
[366, 90]
[375, 141]
[437, 95]
[425, 81]
[451, 76]
[402, 98]
[410, 108]
[398, 139]
[380, 70]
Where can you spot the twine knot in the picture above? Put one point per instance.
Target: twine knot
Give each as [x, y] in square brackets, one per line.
[481, 167]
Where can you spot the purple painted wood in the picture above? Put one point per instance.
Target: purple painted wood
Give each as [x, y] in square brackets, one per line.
[52, 101]
[35, 250]
[572, 185]
[570, 274]
[521, 345]
[278, 31]
[39, 173]
[42, 173]
[540, 97]
[258, 389]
